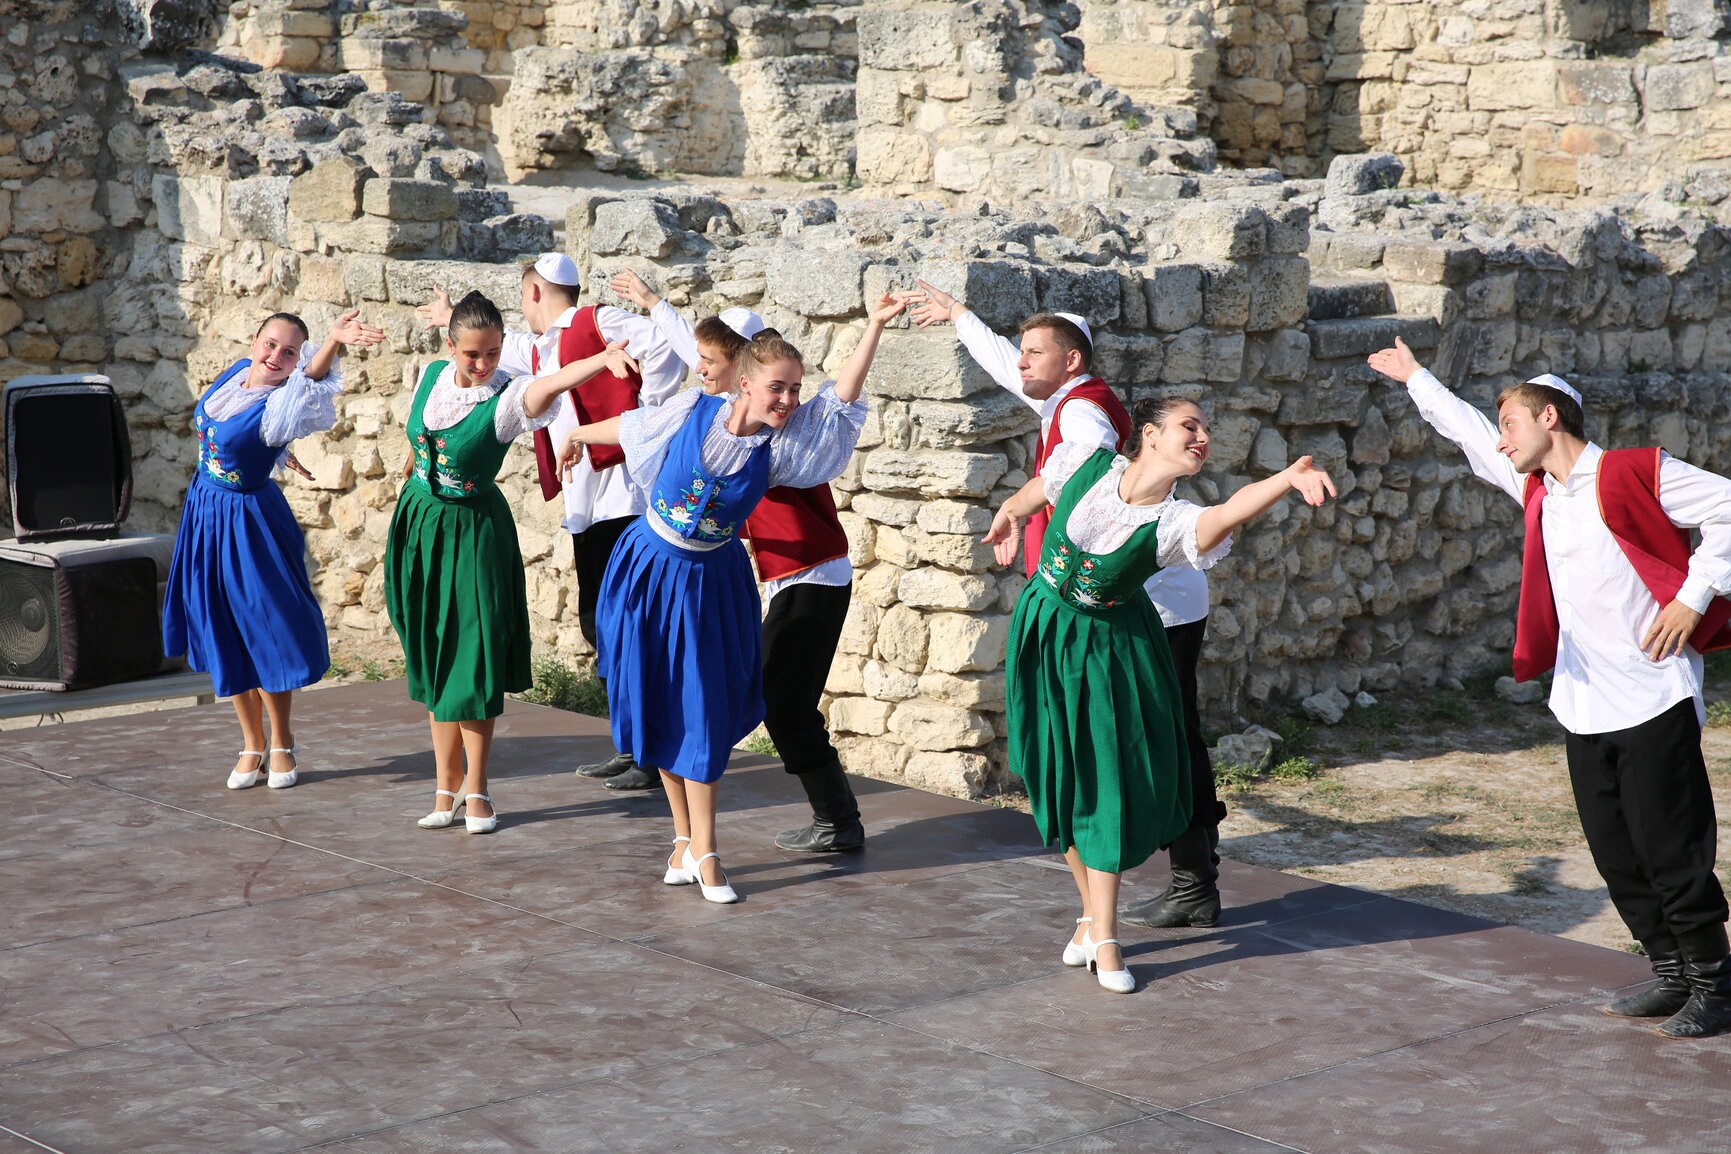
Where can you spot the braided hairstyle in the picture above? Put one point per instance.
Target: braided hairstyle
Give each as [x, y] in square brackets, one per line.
[1149, 411]
[474, 311]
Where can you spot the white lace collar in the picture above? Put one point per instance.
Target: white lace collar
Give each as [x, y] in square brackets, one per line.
[1104, 496]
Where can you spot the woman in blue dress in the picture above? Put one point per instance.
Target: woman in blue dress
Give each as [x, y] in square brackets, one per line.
[238, 603]
[679, 625]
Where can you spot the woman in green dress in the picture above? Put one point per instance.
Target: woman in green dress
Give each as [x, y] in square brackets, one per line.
[1095, 714]
[454, 584]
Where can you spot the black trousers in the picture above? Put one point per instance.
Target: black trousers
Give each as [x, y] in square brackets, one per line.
[1647, 810]
[592, 549]
[1186, 644]
[800, 633]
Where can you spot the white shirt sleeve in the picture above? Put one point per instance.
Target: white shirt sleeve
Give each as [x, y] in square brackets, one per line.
[1696, 499]
[517, 356]
[1468, 428]
[1062, 465]
[301, 406]
[657, 362]
[1176, 535]
[999, 357]
[676, 331]
[645, 433]
[510, 421]
[1085, 423]
[819, 438]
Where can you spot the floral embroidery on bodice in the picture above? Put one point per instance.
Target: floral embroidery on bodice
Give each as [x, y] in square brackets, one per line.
[707, 508]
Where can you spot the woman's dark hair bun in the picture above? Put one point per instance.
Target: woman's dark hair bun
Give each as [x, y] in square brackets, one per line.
[475, 311]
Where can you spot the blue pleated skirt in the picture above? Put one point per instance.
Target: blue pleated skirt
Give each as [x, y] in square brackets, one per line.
[238, 601]
[680, 636]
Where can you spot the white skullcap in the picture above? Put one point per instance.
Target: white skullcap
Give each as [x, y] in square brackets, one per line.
[558, 268]
[742, 321]
[1551, 380]
[1081, 324]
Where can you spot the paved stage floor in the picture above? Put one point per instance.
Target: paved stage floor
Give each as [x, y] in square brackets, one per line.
[183, 968]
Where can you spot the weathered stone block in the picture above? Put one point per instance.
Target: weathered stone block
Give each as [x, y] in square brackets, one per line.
[1174, 296]
[258, 208]
[1332, 340]
[952, 517]
[1288, 229]
[1431, 263]
[970, 691]
[1089, 293]
[930, 726]
[941, 589]
[1000, 292]
[1225, 359]
[50, 205]
[381, 235]
[890, 156]
[187, 208]
[409, 200]
[638, 226]
[1519, 84]
[1363, 173]
[816, 283]
[925, 363]
[956, 773]
[1279, 288]
[908, 38]
[411, 282]
[1582, 82]
[1225, 294]
[933, 472]
[1128, 361]
[358, 54]
[860, 715]
[991, 416]
[1286, 355]
[329, 191]
[1221, 230]
[1677, 87]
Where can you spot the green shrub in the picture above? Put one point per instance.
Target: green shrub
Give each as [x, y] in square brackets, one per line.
[1295, 769]
[561, 687]
[1718, 714]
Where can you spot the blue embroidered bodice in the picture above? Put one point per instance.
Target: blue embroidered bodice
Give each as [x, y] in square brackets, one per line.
[232, 454]
[695, 503]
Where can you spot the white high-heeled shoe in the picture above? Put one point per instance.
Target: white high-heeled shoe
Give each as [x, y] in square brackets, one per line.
[1074, 955]
[285, 780]
[239, 780]
[479, 824]
[722, 894]
[441, 818]
[1118, 981]
[677, 875]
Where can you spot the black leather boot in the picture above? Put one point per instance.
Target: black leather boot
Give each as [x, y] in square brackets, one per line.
[1707, 969]
[1193, 898]
[634, 776]
[835, 826]
[1664, 999]
[612, 767]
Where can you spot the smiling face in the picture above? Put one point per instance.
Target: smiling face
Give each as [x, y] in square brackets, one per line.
[1046, 365]
[475, 353]
[1181, 440]
[1526, 437]
[771, 394]
[717, 371]
[275, 351]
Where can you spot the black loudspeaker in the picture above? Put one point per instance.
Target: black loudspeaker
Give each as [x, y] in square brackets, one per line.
[68, 457]
[76, 614]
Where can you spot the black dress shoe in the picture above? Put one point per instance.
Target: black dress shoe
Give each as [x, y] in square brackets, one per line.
[612, 767]
[636, 777]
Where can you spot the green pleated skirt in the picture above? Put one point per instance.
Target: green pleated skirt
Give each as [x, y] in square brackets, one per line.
[455, 593]
[1096, 727]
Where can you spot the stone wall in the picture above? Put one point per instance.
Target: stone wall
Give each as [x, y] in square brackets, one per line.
[153, 209]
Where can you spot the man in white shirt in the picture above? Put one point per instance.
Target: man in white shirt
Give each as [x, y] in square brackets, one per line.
[1614, 597]
[599, 504]
[1051, 372]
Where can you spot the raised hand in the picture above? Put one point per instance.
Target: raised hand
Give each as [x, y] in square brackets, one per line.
[629, 285]
[436, 313]
[349, 329]
[891, 304]
[936, 306]
[619, 362]
[1397, 362]
[1310, 482]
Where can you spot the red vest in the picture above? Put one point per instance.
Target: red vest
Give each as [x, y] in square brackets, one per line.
[792, 530]
[1629, 502]
[1097, 392]
[600, 397]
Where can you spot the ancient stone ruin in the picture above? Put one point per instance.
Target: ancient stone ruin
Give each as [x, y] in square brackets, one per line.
[1244, 198]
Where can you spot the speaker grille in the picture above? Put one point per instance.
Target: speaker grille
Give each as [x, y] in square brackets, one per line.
[29, 622]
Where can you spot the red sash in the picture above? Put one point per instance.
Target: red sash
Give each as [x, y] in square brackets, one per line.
[793, 530]
[602, 396]
[1096, 392]
[1629, 503]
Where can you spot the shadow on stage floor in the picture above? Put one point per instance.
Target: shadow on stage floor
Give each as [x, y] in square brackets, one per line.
[185, 968]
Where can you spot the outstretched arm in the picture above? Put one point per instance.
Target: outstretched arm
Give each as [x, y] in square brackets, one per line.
[1471, 430]
[632, 287]
[571, 448]
[348, 330]
[851, 380]
[999, 357]
[538, 397]
[1218, 521]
